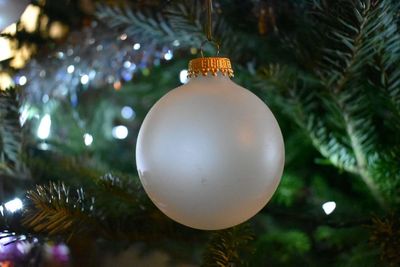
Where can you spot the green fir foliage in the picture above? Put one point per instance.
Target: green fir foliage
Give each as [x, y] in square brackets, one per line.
[329, 72]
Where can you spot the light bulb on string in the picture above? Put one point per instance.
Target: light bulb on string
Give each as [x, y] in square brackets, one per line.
[43, 131]
[12, 205]
[329, 207]
[120, 132]
[22, 80]
[71, 69]
[87, 139]
[169, 55]
[183, 76]
[85, 79]
[127, 112]
[136, 46]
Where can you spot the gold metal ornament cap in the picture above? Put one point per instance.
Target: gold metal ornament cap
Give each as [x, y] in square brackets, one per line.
[213, 65]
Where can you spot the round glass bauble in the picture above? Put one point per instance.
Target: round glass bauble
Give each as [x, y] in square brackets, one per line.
[210, 154]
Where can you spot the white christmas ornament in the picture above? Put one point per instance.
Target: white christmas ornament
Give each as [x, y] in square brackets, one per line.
[210, 153]
[11, 11]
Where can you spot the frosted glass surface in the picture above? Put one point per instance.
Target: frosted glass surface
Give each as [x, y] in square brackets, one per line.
[210, 154]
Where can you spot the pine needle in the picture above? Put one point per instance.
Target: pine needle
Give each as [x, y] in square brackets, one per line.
[227, 247]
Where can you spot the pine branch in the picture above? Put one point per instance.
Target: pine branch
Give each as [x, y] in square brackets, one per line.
[339, 112]
[54, 210]
[387, 36]
[358, 41]
[142, 25]
[385, 234]
[362, 163]
[300, 98]
[182, 21]
[226, 247]
[117, 214]
[10, 133]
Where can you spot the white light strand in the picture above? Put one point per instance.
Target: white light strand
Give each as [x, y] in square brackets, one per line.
[329, 207]
[43, 131]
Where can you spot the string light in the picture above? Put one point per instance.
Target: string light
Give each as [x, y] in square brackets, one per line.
[71, 69]
[136, 46]
[45, 98]
[183, 76]
[169, 55]
[84, 79]
[120, 132]
[176, 43]
[127, 64]
[88, 139]
[43, 131]
[127, 112]
[22, 80]
[123, 37]
[329, 207]
[12, 205]
[24, 114]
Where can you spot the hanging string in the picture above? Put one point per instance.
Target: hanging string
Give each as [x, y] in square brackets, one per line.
[209, 29]
[209, 20]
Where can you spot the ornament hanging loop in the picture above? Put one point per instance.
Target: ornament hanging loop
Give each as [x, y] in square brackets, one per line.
[215, 43]
[210, 38]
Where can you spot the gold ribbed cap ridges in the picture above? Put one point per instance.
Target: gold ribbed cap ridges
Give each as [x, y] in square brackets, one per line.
[205, 65]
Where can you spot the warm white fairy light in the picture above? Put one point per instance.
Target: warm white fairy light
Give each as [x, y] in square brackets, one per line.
[12, 205]
[22, 80]
[84, 79]
[169, 55]
[88, 139]
[127, 64]
[183, 76]
[24, 114]
[329, 207]
[120, 132]
[123, 36]
[43, 131]
[176, 43]
[71, 69]
[136, 46]
[45, 98]
[127, 112]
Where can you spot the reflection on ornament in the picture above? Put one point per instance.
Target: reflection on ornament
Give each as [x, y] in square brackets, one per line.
[210, 154]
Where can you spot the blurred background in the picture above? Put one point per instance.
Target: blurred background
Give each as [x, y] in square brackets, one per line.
[77, 78]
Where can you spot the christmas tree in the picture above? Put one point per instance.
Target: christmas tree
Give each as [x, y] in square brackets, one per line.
[78, 77]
